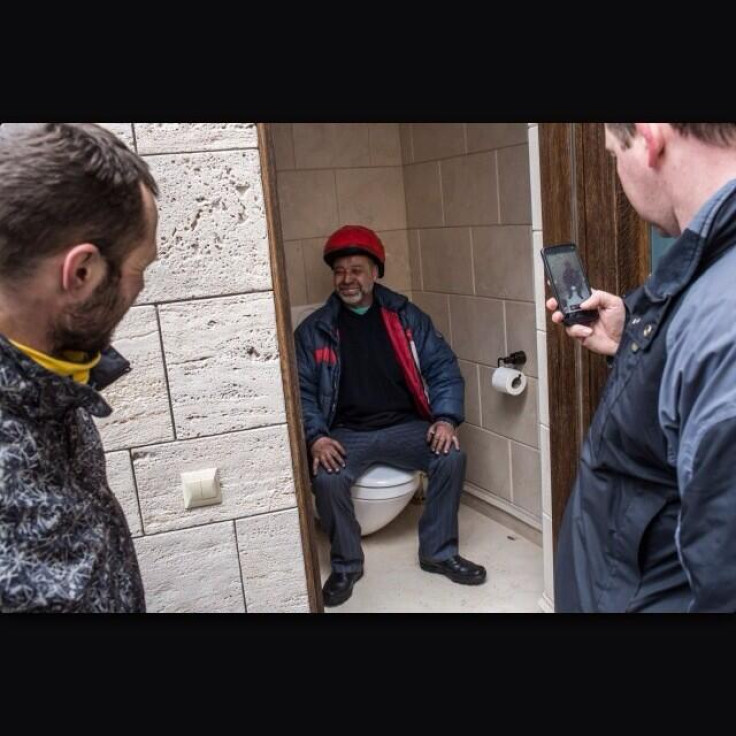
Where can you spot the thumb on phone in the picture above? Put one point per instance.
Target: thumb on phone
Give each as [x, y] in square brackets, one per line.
[599, 300]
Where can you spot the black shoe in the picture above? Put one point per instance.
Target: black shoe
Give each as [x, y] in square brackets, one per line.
[458, 569]
[339, 587]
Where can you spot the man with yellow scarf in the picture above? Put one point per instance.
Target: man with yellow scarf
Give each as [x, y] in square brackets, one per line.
[78, 222]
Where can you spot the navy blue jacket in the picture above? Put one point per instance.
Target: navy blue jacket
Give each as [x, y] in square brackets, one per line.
[651, 522]
[430, 367]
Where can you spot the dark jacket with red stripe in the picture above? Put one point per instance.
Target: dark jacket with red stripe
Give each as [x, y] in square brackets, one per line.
[429, 366]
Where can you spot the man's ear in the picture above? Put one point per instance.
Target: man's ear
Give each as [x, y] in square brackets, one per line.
[83, 268]
[654, 140]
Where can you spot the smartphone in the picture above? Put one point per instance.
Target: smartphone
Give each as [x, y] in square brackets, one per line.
[569, 283]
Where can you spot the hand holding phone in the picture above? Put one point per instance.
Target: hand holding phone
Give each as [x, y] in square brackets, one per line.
[568, 281]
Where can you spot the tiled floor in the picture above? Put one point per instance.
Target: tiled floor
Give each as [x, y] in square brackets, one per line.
[393, 581]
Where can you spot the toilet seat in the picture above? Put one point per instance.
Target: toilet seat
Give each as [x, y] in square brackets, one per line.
[383, 481]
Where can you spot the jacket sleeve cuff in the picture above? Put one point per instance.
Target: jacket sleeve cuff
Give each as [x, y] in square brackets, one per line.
[448, 420]
[316, 436]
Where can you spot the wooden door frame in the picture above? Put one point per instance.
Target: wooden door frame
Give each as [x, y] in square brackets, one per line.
[289, 374]
[583, 203]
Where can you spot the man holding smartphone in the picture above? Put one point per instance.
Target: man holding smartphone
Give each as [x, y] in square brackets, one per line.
[651, 523]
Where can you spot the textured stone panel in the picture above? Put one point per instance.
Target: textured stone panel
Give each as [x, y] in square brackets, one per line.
[254, 471]
[120, 480]
[271, 558]
[141, 413]
[222, 358]
[212, 237]
[175, 137]
[192, 571]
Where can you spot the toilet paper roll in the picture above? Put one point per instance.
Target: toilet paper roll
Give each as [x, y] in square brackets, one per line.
[509, 381]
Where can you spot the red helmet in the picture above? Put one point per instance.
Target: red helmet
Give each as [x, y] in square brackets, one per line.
[352, 240]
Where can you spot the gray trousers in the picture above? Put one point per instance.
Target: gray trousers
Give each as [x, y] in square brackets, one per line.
[403, 446]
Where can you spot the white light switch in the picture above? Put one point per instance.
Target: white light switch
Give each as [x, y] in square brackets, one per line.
[201, 488]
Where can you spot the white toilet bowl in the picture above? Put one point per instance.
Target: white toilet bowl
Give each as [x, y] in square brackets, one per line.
[381, 494]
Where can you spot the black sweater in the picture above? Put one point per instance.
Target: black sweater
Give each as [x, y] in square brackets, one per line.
[373, 393]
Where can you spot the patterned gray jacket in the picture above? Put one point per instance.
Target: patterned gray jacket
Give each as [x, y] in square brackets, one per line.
[64, 541]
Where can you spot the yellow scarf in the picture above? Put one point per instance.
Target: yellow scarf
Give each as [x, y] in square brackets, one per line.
[73, 367]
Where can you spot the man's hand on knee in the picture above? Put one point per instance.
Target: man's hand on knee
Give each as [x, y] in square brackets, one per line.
[328, 453]
[441, 437]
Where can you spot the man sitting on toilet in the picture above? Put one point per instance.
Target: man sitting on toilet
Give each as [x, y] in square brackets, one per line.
[379, 384]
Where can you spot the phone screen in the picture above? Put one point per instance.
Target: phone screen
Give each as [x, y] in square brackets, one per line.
[568, 276]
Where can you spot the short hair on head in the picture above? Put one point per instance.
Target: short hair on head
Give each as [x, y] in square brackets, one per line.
[715, 134]
[67, 183]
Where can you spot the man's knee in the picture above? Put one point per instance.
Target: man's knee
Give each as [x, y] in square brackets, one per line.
[453, 462]
[331, 483]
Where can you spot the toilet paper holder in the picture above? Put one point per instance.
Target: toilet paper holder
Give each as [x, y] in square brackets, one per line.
[516, 359]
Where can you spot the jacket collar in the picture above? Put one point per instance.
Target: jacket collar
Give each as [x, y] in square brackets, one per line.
[28, 388]
[326, 317]
[711, 233]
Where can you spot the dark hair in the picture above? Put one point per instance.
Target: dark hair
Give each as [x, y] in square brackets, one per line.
[67, 183]
[716, 134]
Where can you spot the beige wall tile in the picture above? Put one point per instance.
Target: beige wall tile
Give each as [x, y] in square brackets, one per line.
[178, 137]
[447, 265]
[469, 190]
[477, 329]
[472, 393]
[423, 195]
[254, 470]
[313, 146]
[398, 274]
[432, 141]
[120, 480]
[514, 185]
[435, 305]
[212, 230]
[488, 136]
[548, 554]
[385, 144]
[521, 333]
[539, 281]
[546, 470]
[192, 571]
[372, 197]
[543, 377]
[351, 144]
[488, 460]
[502, 259]
[535, 181]
[139, 399]
[283, 143]
[526, 479]
[272, 561]
[294, 257]
[415, 261]
[308, 202]
[222, 359]
[331, 145]
[407, 149]
[511, 416]
[318, 274]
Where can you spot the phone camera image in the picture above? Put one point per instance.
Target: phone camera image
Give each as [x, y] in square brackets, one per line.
[568, 282]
